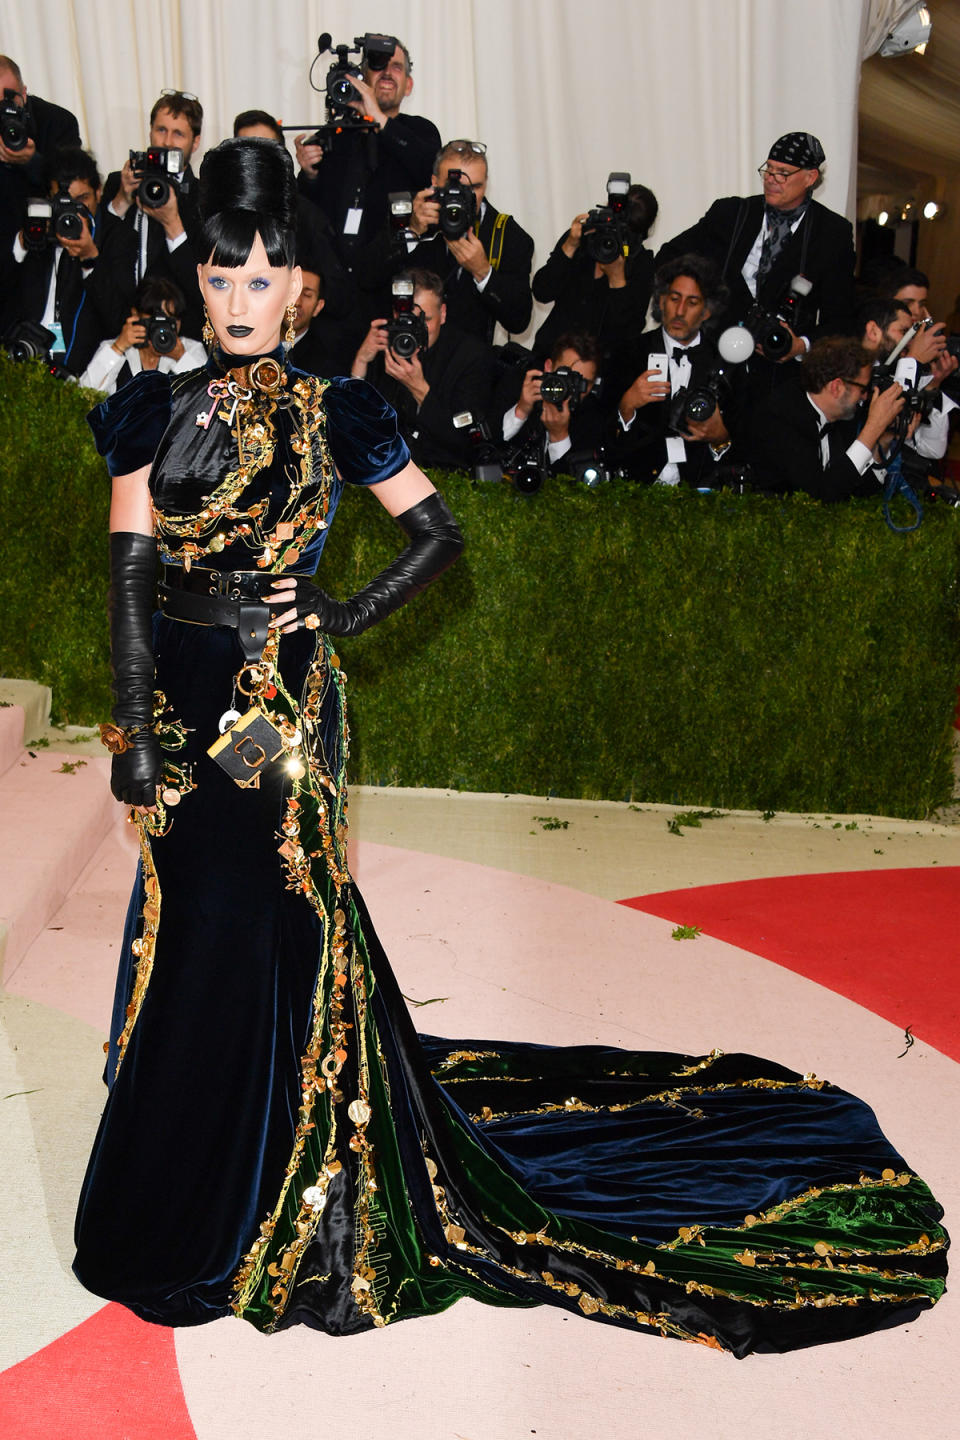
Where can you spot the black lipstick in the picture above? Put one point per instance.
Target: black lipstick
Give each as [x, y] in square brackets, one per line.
[238, 331]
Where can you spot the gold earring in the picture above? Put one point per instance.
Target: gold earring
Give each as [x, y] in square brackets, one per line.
[291, 315]
[207, 332]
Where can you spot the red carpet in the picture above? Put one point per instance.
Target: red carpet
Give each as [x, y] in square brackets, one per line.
[111, 1378]
[888, 939]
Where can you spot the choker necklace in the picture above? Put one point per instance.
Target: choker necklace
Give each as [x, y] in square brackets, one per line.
[263, 372]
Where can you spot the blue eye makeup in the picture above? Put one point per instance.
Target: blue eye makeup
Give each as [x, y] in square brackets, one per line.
[259, 284]
[217, 282]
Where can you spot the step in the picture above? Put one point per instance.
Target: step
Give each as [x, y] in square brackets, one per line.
[33, 699]
[52, 821]
[11, 734]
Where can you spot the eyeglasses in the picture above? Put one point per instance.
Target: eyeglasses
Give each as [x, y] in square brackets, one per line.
[465, 147]
[781, 175]
[860, 384]
[184, 94]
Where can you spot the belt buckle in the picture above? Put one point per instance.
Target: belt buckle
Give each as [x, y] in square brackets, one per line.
[227, 584]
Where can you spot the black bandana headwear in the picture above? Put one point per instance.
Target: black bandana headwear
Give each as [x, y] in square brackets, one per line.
[798, 148]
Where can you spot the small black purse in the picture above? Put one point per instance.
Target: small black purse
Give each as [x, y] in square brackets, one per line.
[251, 748]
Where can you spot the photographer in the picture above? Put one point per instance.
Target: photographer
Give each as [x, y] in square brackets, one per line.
[54, 258]
[761, 242]
[448, 375]
[485, 265]
[314, 235]
[321, 346]
[32, 129]
[155, 238]
[117, 361]
[607, 299]
[570, 431]
[656, 440]
[351, 182]
[882, 325]
[811, 437]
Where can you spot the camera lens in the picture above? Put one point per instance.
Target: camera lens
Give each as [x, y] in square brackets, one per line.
[404, 345]
[700, 406]
[14, 133]
[154, 192]
[162, 335]
[68, 226]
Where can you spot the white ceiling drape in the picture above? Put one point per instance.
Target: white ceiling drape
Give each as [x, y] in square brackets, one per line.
[687, 96]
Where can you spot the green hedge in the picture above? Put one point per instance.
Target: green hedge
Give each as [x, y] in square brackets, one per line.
[624, 643]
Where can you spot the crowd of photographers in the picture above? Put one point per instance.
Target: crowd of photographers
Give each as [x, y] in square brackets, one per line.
[765, 366]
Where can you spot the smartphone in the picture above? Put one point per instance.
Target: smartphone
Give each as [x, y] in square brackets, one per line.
[662, 364]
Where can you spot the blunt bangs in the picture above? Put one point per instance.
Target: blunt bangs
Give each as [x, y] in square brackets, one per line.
[228, 238]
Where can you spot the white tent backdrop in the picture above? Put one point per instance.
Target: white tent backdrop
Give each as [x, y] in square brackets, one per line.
[686, 95]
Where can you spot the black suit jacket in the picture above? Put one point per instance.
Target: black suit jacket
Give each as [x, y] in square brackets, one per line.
[583, 303]
[460, 371]
[783, 450]
[505, 299]
[26, 299]
[116, 277]
[821, 248]
[362, 169]
[641, 451]
[53, 128]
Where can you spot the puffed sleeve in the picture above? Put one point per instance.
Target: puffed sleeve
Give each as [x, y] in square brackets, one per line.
[128, 426]
[362, 431]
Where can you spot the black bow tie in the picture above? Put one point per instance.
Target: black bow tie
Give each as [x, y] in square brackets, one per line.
[680, 350]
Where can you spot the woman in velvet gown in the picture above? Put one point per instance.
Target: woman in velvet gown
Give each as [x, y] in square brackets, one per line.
[278, 1142]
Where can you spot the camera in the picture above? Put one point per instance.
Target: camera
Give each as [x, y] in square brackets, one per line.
[458, 205]
[376, 52]
[67, 218]
[28, 341]
[605, 233]
[557, 386]
[407, 331]
[696, 403]
[161, 332]
[768, 326]
[158, 168]
[14, 121]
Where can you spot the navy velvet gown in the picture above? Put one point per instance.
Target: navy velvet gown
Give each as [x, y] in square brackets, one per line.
[279, 1143]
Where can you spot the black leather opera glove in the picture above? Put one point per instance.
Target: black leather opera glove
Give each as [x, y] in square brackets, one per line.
[137, 761]
[435, 542]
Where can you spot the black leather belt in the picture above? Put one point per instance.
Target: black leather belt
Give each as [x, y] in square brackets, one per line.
[227, 584]
[235, 598]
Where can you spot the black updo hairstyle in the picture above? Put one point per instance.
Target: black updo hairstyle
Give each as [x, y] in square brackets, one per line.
[247, 187]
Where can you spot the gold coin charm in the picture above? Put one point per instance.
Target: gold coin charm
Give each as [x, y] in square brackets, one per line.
[359, 1112]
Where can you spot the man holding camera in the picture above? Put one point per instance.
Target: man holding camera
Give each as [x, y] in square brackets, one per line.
[761, 242]
[149, 340]
[482, 255]
[599, 273]
[158, 211]
[809, 437]
[31, 129]
[54, 258]
[556, 412]
[656, 439]
[352, 180]
[447, 376]
[882, 325]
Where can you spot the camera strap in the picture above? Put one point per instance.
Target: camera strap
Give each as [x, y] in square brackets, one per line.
[495, 248]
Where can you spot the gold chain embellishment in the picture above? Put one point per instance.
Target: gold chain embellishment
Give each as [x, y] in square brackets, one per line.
[300, 520]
